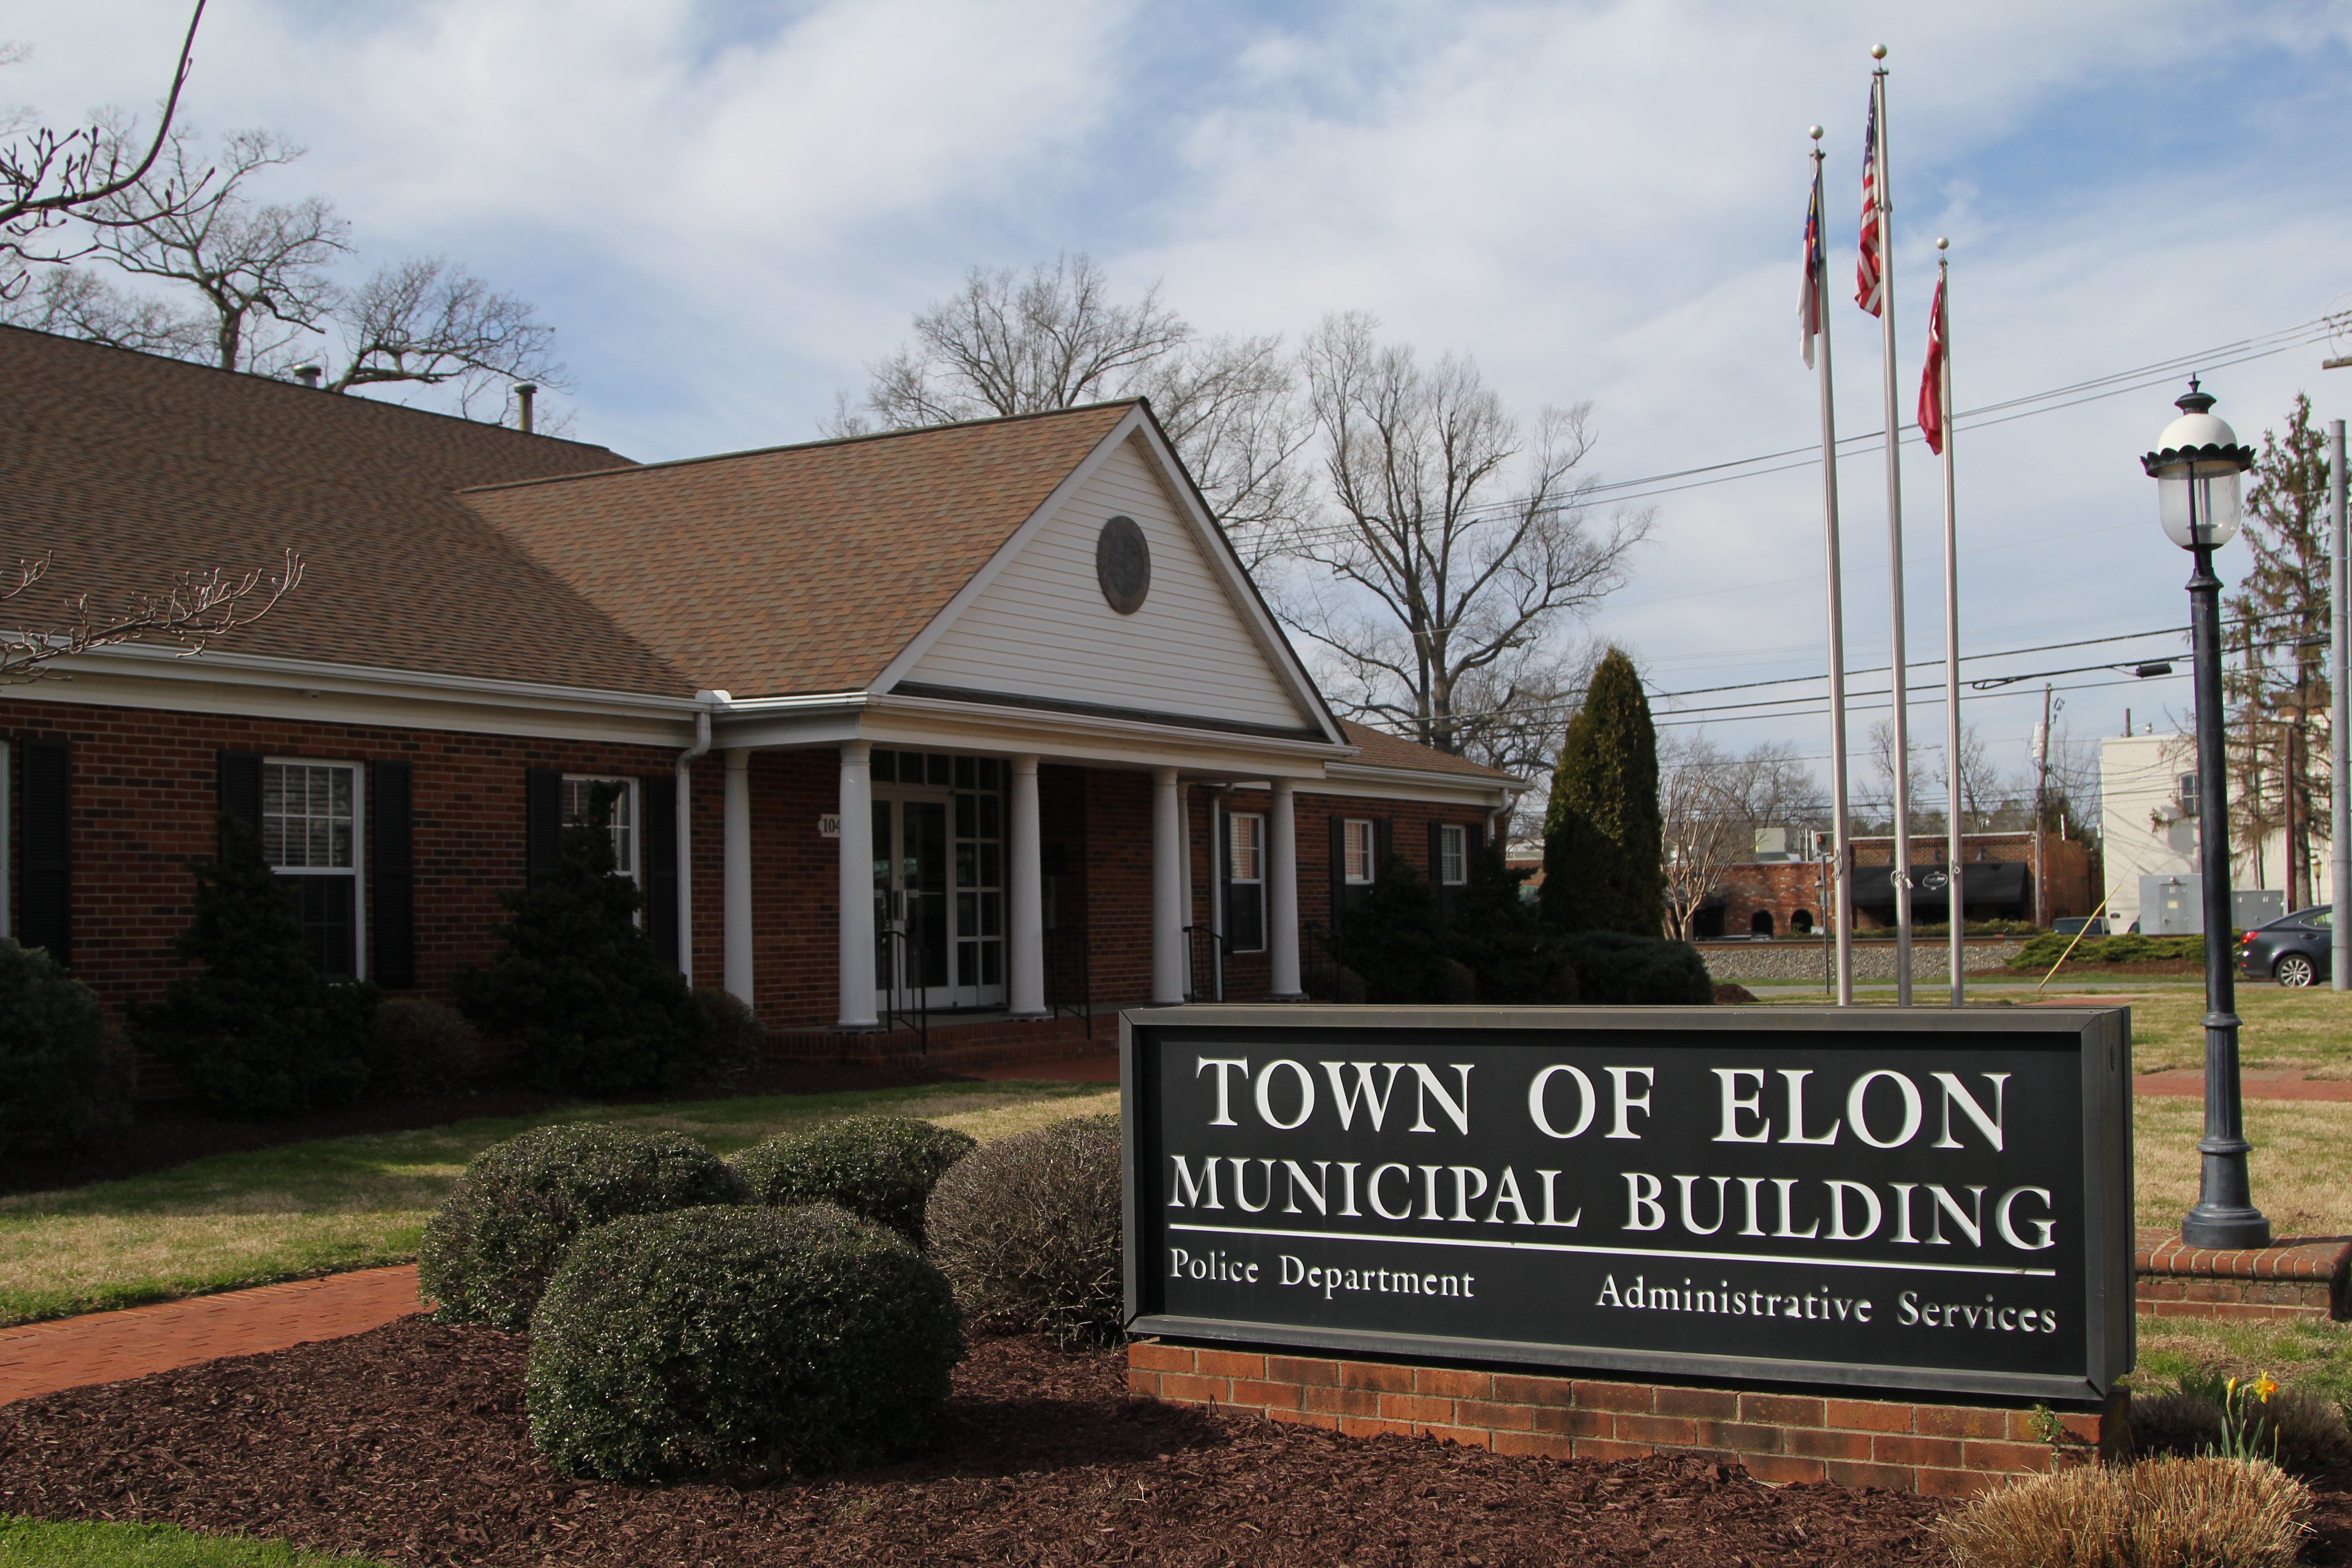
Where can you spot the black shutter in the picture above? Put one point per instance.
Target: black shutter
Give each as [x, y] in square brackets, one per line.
[239, 775]
[47, 885]
[1383, 842]
[1437, 872]
[657, 859]
[1473, 839]
[1339, 870]
[542, 813]
[392, 911]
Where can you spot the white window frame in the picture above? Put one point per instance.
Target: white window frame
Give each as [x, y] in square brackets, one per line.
[1257, 821]
[631, 814]
[356, 871]
[1358, 840]
[1453, 855]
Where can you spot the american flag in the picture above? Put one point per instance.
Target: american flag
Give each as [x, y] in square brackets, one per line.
[1808, 308]
[1931, 380]
[1870, 275]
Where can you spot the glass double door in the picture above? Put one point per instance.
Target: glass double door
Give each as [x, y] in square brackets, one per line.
[939, 898]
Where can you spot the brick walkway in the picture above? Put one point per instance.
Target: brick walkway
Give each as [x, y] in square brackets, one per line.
[105, 1347]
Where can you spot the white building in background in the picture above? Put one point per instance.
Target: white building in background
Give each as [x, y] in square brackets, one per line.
[2149, 824]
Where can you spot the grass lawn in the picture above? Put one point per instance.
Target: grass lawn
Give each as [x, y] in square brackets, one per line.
[2310, 1029]
[305, 1209]
[37, 1544]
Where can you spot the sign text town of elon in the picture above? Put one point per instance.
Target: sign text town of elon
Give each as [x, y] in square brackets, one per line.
[1823, 1201]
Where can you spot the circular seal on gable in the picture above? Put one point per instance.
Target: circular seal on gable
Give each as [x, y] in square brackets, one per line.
[1123, 564]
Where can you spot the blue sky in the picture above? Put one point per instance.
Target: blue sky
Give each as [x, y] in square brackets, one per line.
[726, 209]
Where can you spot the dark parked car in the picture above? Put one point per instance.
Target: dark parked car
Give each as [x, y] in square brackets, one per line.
[2293, 949]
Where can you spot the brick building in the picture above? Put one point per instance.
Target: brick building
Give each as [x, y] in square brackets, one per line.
[987, 717]
[1786, 897]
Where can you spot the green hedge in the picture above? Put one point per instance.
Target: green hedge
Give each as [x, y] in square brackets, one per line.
[880, 1168]
[2128, 947]
[64, 1072]
[490, 1249]
[739, 1345]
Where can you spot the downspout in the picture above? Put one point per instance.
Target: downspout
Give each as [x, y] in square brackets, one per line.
[686, 760]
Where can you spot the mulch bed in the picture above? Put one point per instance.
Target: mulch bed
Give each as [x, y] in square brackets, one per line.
[409, 1444]
[171, 1132]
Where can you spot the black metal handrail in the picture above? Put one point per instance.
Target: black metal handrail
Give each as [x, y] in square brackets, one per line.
[899, 953]
[1218, 943]
[1057, 1003]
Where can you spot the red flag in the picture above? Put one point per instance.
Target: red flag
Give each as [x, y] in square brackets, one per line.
[1931, 379]
[1870, 275]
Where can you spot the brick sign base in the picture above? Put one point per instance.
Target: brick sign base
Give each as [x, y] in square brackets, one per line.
[1946, 1450]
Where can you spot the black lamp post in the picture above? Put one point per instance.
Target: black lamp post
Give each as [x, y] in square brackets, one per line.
[2195, 466]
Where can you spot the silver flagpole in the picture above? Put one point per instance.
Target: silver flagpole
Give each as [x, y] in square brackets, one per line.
[1841, 910]
[1900, 871]
[1954, 906]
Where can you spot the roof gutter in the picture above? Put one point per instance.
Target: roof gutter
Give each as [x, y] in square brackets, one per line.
[685, 813]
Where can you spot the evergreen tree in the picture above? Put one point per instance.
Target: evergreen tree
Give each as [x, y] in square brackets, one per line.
[262, 1032]
[2276, 634]
[578, 984]
[1604, 857]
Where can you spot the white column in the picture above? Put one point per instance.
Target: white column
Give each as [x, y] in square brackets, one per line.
[738, 853]
[1282, 895]
[1026, 993]
[857, 887]
[1167, 890]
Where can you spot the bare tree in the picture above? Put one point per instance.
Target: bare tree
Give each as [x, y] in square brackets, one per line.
[1006, 345]
[1712, 804]
[47, 175]
[75, 302]
[424, 320]
[196, 608]
[250, 264]
[1461, 539]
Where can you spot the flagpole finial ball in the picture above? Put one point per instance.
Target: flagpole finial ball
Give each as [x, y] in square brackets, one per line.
[1814, 132]
[1878, 51]
[1943, 244]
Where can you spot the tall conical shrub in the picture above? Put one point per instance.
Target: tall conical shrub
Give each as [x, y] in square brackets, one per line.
[577, 985]
[1604, 865]
[262, 1033]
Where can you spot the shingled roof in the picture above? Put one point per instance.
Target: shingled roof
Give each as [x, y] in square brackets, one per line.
[129, 468]
[798, 569]
[1382, 749]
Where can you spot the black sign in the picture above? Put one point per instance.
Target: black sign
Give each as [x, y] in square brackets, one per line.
[1907, 1200]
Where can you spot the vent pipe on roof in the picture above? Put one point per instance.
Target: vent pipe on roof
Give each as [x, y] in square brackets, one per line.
[308, 374]
[524, 392]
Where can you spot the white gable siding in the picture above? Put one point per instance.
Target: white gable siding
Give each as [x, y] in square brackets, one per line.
[1042, 628]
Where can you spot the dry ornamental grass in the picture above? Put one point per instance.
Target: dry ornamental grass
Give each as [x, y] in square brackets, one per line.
[2162, 1513]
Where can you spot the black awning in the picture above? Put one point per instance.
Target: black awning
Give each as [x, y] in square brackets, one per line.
[1984, 885]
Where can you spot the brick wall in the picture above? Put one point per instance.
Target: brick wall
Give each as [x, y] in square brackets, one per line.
[1946, 1450]
[144, 798]
[144, 801]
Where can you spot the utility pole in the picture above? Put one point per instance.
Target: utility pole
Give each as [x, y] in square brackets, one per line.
[2339, 723]
[2040, 811]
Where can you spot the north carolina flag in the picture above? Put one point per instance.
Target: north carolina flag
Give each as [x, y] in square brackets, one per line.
[1809, 307]
[1931, 379]
[1869, 274]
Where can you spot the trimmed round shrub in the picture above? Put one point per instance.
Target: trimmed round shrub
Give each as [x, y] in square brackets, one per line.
[64, 1072]
[739, 1345]
[420, 1047]
[491, 1248]
[880, 1168]
[1027, 1228]
[1615, 969]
